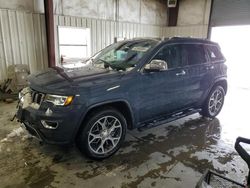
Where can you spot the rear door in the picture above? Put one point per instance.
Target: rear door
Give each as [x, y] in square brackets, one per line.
[199, 75]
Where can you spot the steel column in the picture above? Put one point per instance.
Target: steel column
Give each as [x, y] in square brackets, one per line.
[49, 17]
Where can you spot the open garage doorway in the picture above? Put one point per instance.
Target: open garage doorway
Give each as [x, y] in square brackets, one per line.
[235, 44]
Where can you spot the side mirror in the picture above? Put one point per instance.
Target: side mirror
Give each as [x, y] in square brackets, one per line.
[156, 65]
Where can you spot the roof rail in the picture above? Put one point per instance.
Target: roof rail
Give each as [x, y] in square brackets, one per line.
[175, 37]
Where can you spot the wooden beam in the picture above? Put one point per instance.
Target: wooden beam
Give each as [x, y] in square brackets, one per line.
[49, 18]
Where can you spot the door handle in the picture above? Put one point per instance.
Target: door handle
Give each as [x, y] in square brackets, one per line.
[210, 67]
[180, 73]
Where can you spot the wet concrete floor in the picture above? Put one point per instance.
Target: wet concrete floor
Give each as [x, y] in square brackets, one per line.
[171, 155]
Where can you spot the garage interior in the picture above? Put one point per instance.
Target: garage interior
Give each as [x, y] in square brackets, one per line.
[38, 34]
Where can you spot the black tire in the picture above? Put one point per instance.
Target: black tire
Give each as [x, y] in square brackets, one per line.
[208, 112]
[84, 137]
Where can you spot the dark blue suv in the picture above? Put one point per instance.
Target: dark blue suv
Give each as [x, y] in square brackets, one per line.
[130, 84]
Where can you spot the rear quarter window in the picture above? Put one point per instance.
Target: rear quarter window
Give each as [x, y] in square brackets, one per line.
[214, 53]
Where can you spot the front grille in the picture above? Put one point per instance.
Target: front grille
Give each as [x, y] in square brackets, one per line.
[37, 97]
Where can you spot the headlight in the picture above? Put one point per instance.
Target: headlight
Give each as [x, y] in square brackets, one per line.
[59, 100]
[20, 97]
[23, 93]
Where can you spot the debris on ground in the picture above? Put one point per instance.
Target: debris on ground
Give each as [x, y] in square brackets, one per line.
[17, 80]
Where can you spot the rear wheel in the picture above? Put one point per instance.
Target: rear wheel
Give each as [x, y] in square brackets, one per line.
[214, 102]
[103, 134]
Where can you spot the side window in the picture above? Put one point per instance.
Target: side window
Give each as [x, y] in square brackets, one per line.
[214, 53]
[170, 54]
[193, 54]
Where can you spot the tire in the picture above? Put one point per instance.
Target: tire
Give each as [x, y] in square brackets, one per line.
[212, 108]
[102, 133]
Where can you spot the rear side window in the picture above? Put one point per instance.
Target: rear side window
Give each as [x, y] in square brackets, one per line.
[214, 53]
[193, 54]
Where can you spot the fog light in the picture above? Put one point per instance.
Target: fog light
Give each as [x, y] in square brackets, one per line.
[49, 124]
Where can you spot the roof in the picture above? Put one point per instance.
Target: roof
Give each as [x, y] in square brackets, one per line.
[176, 39]
[188, 40]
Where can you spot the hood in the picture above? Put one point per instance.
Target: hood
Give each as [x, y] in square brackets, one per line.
[57, 80]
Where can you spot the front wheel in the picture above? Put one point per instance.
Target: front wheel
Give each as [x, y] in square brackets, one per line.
[214, 102]
[103, 134]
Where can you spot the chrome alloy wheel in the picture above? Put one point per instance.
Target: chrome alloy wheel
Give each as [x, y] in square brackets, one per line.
[104, 135]
[215, 102]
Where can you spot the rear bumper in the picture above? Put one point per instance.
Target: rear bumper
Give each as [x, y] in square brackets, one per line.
[67, 121]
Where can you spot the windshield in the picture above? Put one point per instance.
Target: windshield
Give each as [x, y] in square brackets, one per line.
[122, 56]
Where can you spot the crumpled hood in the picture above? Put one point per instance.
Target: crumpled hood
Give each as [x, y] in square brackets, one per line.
[57, 80]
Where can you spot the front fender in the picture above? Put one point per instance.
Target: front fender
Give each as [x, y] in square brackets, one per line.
[100, 104]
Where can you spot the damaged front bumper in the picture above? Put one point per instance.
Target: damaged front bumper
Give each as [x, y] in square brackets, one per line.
[31, 131]
[49, 123]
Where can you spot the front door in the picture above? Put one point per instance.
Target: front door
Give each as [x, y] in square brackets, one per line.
[162, 92]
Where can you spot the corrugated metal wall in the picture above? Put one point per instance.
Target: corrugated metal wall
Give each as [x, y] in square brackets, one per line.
[23, 36]
[22, 40]
[103, 32]
[199, 31]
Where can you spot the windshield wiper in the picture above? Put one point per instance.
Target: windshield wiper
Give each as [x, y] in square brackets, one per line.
[104, 61]
[130, 58]
[106, 64]
[61, 72]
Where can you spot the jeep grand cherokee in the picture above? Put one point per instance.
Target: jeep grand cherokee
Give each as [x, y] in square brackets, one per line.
[130, 84]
